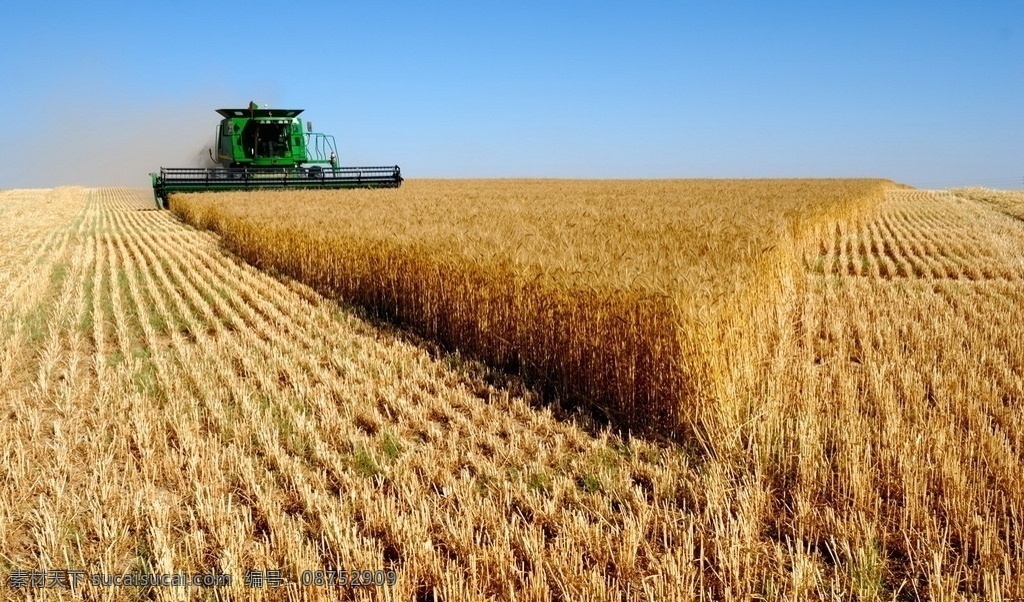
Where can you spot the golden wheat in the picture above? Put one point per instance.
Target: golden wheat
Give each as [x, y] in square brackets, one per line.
[636, 298]
[168, 408]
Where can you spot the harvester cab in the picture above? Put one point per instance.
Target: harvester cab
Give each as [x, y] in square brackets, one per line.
[267, 148]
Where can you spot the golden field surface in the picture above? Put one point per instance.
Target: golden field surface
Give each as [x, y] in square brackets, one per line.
[840, 417]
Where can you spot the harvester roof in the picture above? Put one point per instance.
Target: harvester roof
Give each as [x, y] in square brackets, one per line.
[229, 113]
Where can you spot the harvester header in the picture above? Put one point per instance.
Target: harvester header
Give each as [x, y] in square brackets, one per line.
[265, 148]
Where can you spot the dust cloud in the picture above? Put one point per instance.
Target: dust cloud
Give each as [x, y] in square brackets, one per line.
[110, 142]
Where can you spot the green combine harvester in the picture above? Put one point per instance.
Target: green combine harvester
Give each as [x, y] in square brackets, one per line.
[258, 149]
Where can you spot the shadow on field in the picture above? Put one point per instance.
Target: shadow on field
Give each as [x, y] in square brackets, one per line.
[485, 381]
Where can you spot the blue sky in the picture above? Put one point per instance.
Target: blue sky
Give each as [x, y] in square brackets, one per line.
[926, 93]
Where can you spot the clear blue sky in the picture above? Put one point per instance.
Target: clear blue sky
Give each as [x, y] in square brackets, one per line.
[926, 93]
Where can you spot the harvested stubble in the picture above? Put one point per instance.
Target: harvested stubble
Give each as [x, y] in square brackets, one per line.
[643, 300]
[1010, 202]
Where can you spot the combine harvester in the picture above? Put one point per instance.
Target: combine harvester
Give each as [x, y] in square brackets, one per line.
[266, 148]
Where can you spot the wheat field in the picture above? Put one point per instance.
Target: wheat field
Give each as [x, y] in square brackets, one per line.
[169, 407]
[638, 300]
